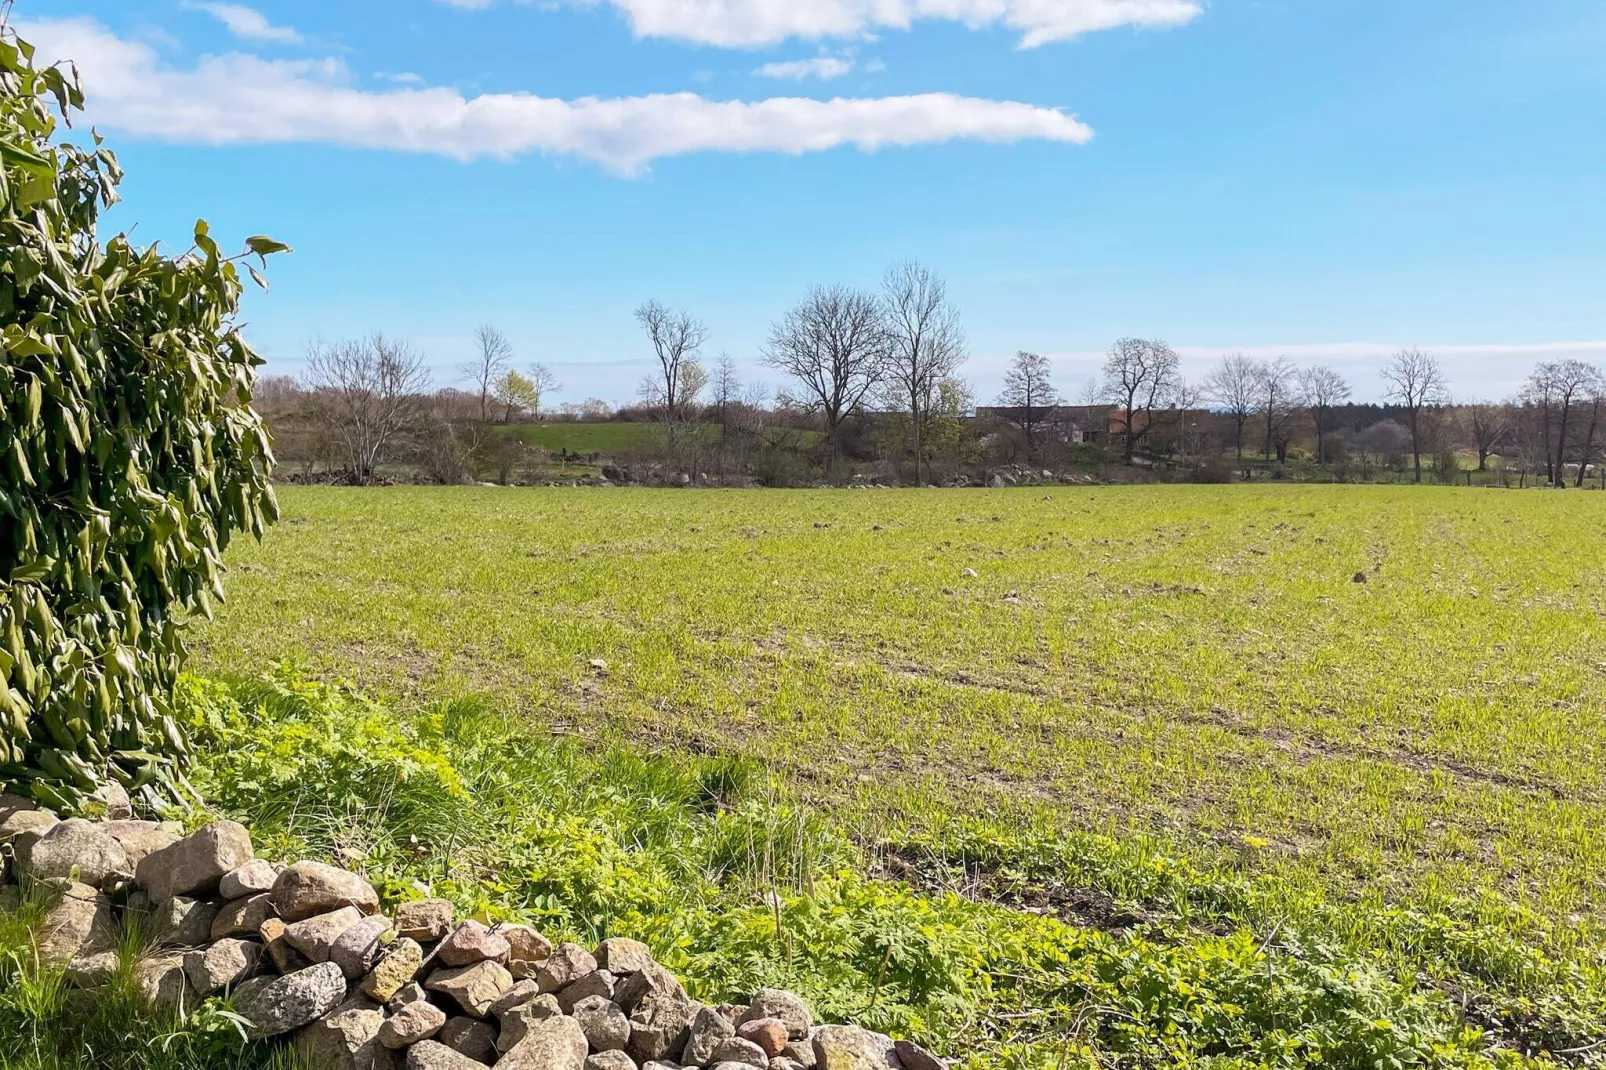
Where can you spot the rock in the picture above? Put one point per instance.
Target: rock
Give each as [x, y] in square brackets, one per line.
[411, 992]
[475, 988]
[314, 937]
[139, 838]
[620, 955]
[253, 878]
[286, 959]
[184, 922]
[566, 964]
[770, 1034]
[308, 889]
[356, 949]
[914, 1057]
[428, 1055]
[224, 964]
[414, 1022]
[708, 1028]
[779, 1003]
[801, 1052]
[74, 849]
[161, 979]
[522, 992]
[92, 971]
[731, 1066]
[604, 1024]
[660, 1066]
[659, 1012]
[345, 1040]
[737, 1050]
[781, 1062]
[395, 969]
[77, 922]
[112, 801]
[468, 1036]
[516, 1022]
[472, 942]
[551, 1044]
[22, 828]
[596, 983]
[612, 1059]
[197, 862]
[280, 1004]
[1360, 577]
[528, 950]
[847, 1047]
[732, 1011]
[425, 919]
[242, 917]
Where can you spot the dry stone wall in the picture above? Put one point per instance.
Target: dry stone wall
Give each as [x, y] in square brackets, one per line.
[308, 955]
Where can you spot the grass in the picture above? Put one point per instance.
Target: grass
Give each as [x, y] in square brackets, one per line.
[1167, 712]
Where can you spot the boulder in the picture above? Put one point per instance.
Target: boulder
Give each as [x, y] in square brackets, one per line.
[528, 950]
[914, 1057]
[412, 1023]
[184, 922]
[596, 983]
[139, 838]
[566, 964]
[224, 964]
[768, 1033]
[22, 828]
[411, 992]
[779, 1003]
[475, 988]
[307, 889]
[516, 1022]
[254, 878]
[708, 1028]
[314, 937]
[93, 970]
[345, 1040]
[472, 942]
[75, 849]
[112, 801]
[611, 1059]
[659, 1013]
[398, 966]
[551, 1044]
[425, 919]
[800, 1052]
[161, 980]
[620, 955]
[847, 1047]
[286, 959]
[604, 1024]
[781, 1062]
[522, 992]
[77, 922]
[242, 917]
[279, 1004]
[197, 862]
[429, 1055]
[737, 1050]
[471, 1037]
[356, 949]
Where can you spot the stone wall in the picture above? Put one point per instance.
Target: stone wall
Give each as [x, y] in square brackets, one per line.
[308, 955]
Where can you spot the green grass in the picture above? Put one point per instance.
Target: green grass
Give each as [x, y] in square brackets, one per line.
[1168, 702]
[610, 438]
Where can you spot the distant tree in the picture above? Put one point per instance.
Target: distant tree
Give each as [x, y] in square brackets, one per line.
[1140, 376]
[543, 381]
[676, 340]
[1557, 388]
[1274, 402]
[369, 393]
[1415, 382]
[926, 344]
[835, 344]
[1321, 389]
[1231, 385]
[492, 354]
[1028, 387]
[515, 394]
[726, 383]
[1485, 425]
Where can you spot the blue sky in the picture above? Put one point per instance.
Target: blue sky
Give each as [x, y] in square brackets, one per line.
[1326, 179]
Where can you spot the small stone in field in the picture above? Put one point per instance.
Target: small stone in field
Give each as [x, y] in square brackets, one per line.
[307, 889]
[1360, 577]
[197, 862]
[395, 969]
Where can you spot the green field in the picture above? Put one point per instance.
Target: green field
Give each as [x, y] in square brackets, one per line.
[1170, 713]
[610, 438]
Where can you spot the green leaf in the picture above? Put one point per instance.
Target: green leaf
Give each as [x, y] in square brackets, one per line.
[262, 245]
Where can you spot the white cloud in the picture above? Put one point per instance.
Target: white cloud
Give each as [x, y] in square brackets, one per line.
[401, 77]
[243, 99]
[822, 67]
[750, 23]
[247, 22]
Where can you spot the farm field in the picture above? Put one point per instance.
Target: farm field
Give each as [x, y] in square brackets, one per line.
[1047, 697]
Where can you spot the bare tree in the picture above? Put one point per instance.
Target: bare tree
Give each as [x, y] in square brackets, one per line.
[492, 355]
[1231, 385]
[1557, 387]
[1485, 425]
[727, 384]
[834, 343]
[1415, 382]
[925, 341]
[543, 381]
[676, 340]
[1274, 401]
[1028, 387]
[1140, 375]
[368, 393]
[1322, 390]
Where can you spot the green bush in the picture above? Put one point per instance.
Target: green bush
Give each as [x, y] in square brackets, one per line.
[129, 455]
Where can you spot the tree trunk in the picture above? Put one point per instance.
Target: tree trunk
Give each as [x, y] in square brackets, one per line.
[1561, 447]
[1416, 448]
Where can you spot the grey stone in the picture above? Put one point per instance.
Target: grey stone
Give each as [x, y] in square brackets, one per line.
[528, 950]
[429, 1055]
[197, 862]
[522, 992]
[225, 963]
[604, 1024]
[472, 942]
[356, 949]
[425, 919]
[314, 937]
[779, 1003]
[411, 992]
[344, 1040]
[75, 849]
[708, 1028]
[254, 878]
[410, 1024]
[112, 801]
[551, 1044]
[566, 964]
[396, 968]
[162, 980]
[801, 1052]
[286, 959]
[620, 955]
[847, 1047]
[93, 970]
[77, 922]
[280, 1004]
[596, 983]
[184, 922]
[737, 1050]
[781, 1062]
[242, 917]
[469, 1036]
[307, 889]
[914, 1057]
[139, 838]
[659, 1013]
[612, 1059]
[517, 1021]
[475, 988]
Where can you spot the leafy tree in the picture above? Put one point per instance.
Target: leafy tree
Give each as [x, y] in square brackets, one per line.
[129, 455]
[516, 394]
